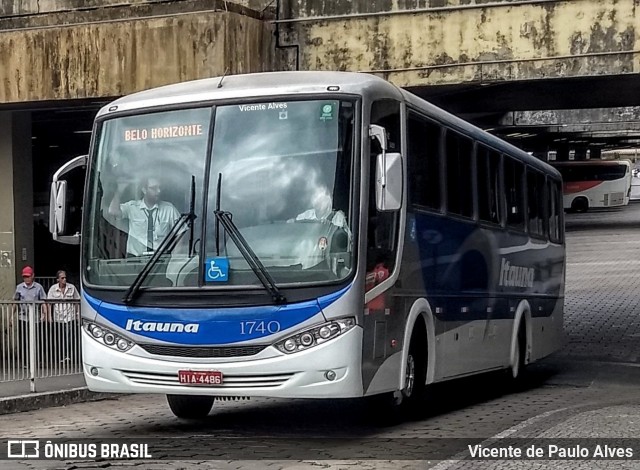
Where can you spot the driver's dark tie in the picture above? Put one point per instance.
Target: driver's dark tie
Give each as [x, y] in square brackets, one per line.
[150, 225]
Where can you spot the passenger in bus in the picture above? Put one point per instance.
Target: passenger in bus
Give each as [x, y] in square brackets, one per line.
[149, 219]
[322, 210]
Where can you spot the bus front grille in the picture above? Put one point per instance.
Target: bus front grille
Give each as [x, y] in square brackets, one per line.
[183, 351]
[230, 381]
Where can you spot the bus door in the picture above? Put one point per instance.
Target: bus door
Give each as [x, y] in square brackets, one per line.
[383, 315]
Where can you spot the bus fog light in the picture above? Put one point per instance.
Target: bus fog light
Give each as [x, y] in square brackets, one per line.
[330, 375]
[94, 371]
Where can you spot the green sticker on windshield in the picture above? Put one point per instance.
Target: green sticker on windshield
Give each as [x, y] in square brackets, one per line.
[327, 112]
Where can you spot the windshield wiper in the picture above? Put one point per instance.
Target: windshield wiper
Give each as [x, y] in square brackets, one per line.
[254, 262]
[192, 213]
[251, 258]
[169, 242]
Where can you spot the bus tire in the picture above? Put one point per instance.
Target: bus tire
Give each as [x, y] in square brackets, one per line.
[393, 407]
[517, 369]
[190, 406]
[580, 204]
[414, 391]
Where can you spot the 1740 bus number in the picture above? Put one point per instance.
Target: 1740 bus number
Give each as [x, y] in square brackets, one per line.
[251, 327]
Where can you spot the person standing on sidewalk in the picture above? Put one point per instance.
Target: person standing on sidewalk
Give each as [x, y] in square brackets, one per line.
[65, 318]
[28, 291]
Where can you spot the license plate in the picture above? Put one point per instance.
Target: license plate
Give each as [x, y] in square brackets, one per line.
[194, 377]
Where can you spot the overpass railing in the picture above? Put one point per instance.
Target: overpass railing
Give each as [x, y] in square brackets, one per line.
[39, 340]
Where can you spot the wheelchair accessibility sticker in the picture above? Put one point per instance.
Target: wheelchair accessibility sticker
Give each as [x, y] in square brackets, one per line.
[216, 270]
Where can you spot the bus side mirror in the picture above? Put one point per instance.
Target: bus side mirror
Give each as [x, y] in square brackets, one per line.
[389, 182]
[58, 202]
[388, 173]
[58, 208]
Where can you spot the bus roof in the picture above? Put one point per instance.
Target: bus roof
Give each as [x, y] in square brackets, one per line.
[253, 85]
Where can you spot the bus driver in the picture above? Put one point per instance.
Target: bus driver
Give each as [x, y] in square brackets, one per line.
[149, 219]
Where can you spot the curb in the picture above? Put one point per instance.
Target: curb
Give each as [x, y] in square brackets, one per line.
[35, 401]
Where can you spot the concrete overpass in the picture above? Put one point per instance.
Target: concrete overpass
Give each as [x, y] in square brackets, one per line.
[485, 59]
[534, 71]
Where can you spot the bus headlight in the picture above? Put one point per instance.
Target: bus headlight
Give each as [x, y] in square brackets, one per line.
[314, 336]
[107, 337]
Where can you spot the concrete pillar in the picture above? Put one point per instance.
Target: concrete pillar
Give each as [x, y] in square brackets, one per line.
[16, 194]
[23, 190]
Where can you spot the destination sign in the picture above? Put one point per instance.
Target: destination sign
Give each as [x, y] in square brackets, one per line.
[166, 132]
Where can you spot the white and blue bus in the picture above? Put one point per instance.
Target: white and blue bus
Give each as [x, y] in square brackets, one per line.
[332, 236]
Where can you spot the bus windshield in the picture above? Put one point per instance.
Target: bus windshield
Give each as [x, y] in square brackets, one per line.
[281, 170]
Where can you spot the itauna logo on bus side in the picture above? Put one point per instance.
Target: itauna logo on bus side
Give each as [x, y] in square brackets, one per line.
[138, 325]
[515, 276]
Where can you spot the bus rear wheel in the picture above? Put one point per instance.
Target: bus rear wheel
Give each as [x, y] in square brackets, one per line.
[190, 406]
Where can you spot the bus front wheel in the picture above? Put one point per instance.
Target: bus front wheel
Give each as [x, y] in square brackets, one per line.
[415, 371]
[517, 370]
[580, 204]
[393, 407]
[190, 406]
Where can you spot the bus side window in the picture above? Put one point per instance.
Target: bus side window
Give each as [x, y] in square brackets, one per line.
[536, 202]
[459, 151]
[382, 228]
[488, 162]
[423, 162]
[513, 187]
[555, 206]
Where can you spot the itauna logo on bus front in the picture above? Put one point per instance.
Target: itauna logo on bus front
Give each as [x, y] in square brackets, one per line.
[515, 276]
[165, 327]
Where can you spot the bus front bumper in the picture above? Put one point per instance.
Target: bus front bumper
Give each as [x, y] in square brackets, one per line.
[329, 370]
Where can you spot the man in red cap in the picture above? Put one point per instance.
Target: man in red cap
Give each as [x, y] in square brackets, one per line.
[27, 291]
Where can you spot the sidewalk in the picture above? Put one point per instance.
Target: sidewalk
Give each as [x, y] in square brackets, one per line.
[51, 391]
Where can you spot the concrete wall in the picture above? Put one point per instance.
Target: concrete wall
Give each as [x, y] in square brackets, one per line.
[117, 49]
[420, 42]
[34, 7]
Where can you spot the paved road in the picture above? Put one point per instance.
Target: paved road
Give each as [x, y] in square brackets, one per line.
[589, 390]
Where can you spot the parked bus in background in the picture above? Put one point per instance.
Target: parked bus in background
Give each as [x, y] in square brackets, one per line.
[336, 237]
[633, 155]
[595, 183]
